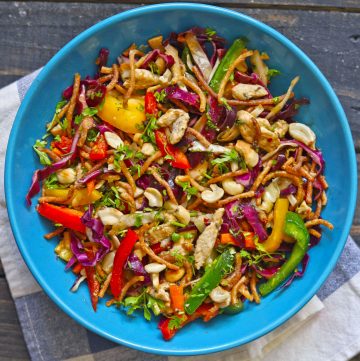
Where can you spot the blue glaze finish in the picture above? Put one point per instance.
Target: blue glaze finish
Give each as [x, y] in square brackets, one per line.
[324, 114]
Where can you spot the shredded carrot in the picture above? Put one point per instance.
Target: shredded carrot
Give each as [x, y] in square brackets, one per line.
[177, 297]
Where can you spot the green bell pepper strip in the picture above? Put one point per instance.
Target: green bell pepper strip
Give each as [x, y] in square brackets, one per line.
[295, 228]
[234, 51]
[211, 278]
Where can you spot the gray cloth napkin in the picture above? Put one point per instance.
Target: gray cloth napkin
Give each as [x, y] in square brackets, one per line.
[327, 328]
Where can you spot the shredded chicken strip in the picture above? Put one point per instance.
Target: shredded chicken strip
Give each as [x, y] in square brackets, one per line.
[165, 184]
[105, 285]
[193, 182]
[115, 78]
[128, 285]
[318, 221]
[197, 90]
[203, 82]
[199, 137]
[157, 155]
[234, 198]
[256, 102]
[72, 103]
[230, 70]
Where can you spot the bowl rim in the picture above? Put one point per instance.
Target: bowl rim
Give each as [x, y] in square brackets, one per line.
[11, 204]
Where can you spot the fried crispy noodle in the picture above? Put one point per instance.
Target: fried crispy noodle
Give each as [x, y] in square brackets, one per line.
[106, 70]
[84, 154]
[193, 182]
[318, 209]
[296, 180]
[314, 233]
[126, 186]
[230, 281]
[165, 184]
[197, 90]
[99, 270]
[230, 70]
[85, 126]
[323, 198]
[54, 233]
[195, 204]
[128, 176]
[120, 89]
[105, 78]
[318, 221]
[105, 285]
[131, 87]
[129, 284]
[226, 176]
[188, 273]
[129, 199]
[153, 256]
[235, 290]
[199, 137]
[261, 176]
[323, 182]
[245, 292]
[72, 103]
[256, 102]
[157, 155]
[202, 82]
[253, 289]
[277, 108]
[234, 198]
[115, 78]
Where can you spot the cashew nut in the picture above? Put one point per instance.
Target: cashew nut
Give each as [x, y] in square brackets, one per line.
[174, 276]
[248, 91]
[108, 261]
[302, 133]
[148, 149]
[113, 140]
[213, 195]
[109, 216]
[154, 197]
[231, 187]
[220, 296]
[251, 157]
[138, 192]
[66, 176]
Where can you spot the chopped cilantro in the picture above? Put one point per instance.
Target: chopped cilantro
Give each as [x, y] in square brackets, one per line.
[176, 322]
[272, 72]
[138, 220]
[43, 157]
[149, 131]
[154, 68]
[160, 96]
[186, 187]
[92, 135]
[210, 32]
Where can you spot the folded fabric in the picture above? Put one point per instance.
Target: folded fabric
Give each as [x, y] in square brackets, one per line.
[327, 328]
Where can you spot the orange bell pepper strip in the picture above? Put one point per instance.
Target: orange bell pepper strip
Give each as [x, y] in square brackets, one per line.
[90, 185]
[178, 158]
[69, 218]
[177, 297]
[77, 268]
[121, 256]
[273, 242]
[94, 286]
[228, 238]
[249, 240]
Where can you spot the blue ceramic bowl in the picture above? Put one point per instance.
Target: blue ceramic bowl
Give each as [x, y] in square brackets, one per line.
[325, 115]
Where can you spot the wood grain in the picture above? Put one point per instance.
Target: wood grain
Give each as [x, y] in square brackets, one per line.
[12, 345]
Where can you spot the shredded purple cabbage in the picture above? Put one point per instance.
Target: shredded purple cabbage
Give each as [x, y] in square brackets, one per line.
[103, 57]
[254, 221]
[174, 92]
[233, 212]
[105, 128]
[41, 174]
[280, 160]
[138, 268]
[88, 177]
[244, 179]
[153, 55]
[291, 189]
[266, 272]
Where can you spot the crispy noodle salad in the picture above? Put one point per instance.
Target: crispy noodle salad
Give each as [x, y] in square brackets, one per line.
[177, 183]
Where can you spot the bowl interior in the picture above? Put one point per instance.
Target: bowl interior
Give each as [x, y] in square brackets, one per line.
[324, 115]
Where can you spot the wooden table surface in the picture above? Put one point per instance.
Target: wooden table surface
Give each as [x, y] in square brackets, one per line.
[32, 32]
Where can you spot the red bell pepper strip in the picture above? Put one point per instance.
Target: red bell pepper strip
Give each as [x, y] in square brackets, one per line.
[207, 311]
[121, 256]
[178, 158]
[158, 248]
[64, 144]
[150, 104]
[98, 151]
[77, 268]
[69, 218]
[94, 285]
[177, 297]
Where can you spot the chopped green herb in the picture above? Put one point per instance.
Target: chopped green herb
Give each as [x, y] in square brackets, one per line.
[210, 32]
[230, 156]
[176, 321]
[138, 220]
[149, 131]
[92, 135]
[225, 103]
[186, 187]
[160, 96]
[43, 157]
[272, 72]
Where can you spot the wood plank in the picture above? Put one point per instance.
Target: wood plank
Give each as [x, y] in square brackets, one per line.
[331, 5]
[32, 32]
[12, 344]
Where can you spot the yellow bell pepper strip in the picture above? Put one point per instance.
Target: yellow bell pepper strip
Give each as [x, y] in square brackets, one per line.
[81, 197]
[69, 218]
[211, 278]
[121, 256]
[234, 51]
[273, 242]
[294, 227]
